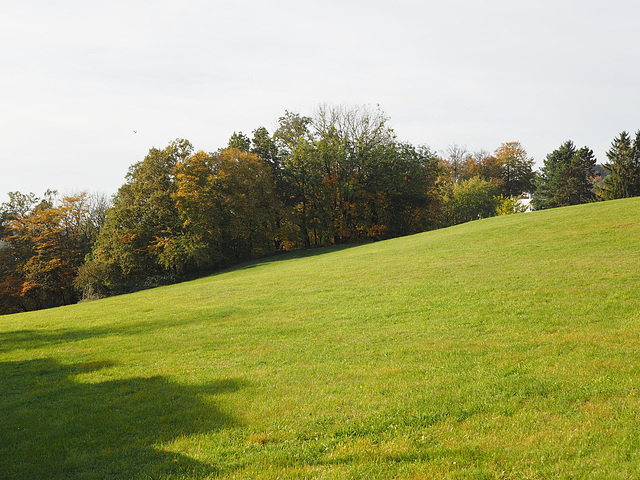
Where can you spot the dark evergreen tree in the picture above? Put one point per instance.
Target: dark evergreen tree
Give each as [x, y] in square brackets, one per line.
[566, 177]
[623, 168]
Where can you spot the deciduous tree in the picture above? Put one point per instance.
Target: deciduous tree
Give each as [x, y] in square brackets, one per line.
[457, 160]
[516, 169]
[45, 242]
[240, 141]
[469, 200]
[248, 203]
[300, 178]
[143, 219]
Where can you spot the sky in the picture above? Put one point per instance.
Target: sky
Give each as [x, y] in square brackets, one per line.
[87, 88]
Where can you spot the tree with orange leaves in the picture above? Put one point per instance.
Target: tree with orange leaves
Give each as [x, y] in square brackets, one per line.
[45, 241]
[516, 169]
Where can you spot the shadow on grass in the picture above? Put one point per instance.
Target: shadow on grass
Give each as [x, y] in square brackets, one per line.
[54, 426]
[287, 255]
[28, 339]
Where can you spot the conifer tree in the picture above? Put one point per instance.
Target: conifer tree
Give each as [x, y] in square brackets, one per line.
[623, 168]
[566, 177]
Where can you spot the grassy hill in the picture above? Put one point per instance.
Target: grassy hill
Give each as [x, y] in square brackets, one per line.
[503, 348]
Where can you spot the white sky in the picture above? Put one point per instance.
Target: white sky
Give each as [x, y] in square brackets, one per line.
[78, 77]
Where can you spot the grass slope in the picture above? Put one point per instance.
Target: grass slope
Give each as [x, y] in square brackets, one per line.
[503, 348]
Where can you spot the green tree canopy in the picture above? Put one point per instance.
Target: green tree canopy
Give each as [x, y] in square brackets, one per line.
[516, 169]
[143, 217]
[469, 200]
[265, 147]
[566, 177]
[240, 141]
[623, 168]
[347, 178]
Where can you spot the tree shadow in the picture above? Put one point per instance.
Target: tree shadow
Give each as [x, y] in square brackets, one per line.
[54, 426]
[28, 339]
[291, 255]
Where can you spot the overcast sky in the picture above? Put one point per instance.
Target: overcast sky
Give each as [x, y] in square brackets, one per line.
[79, 77]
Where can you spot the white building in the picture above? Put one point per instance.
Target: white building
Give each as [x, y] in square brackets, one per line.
[526, 199]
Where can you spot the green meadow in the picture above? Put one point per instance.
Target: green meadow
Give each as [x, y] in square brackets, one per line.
[505, 348]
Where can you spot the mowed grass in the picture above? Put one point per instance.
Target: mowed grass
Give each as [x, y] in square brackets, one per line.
[503, 348]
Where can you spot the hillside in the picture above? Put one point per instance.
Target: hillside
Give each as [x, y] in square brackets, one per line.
[502, 348]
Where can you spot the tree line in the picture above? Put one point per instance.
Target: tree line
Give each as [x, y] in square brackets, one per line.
[340, 176]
